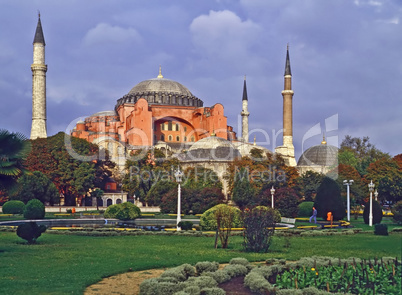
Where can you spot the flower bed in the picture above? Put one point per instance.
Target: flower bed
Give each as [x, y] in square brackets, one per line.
[316, 275]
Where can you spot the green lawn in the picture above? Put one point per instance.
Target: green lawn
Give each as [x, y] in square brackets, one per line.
[61, 264]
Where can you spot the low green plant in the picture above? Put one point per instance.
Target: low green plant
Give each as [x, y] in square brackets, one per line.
[34, 209]
[381, 229]
[204, 266]
[123, 211]
[30, 231]
[185, 225]
[13, 207]
[208, 219]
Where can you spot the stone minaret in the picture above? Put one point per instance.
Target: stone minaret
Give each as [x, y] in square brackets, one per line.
[244, 114]
[39, 69]
[287, 150]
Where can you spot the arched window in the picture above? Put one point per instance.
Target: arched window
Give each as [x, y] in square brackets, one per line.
[192, 138]
[163, 137]
[185, 129]
[162, 126]
[170, 125]
[177, 127]
[177, 138]
[170, 138]
[185, 138]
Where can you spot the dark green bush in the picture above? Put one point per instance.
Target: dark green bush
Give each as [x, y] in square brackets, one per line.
[123, 211]
[13, 207]
[306, 209]
[30, 231]
[377, 212]
[396, 210]
[34, 209]
[381, 229]
[329, 199]
[186, 225]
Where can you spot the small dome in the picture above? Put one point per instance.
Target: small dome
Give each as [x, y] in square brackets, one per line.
[212, 148]
[319, 155]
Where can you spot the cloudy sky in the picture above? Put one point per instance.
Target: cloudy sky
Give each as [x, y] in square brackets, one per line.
[345, 57]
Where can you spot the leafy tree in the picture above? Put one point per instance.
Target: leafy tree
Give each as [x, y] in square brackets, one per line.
[243, 191]
[259, 227]
[329, 199]
[208, 220]
[63, 165]
[199, 177]
[398, 160]
[36, 185]
[192, 201]
[225, 217]
[144, 169]
[397, 211]
[387, 176]
[286, 201]
[308, 184]
[97, 193]
[364, 152]
[155, 194]
[14, 148]
[357, 189]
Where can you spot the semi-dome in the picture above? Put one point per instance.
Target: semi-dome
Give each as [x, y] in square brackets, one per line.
[211, 148]
[319, 155]
[161, 91]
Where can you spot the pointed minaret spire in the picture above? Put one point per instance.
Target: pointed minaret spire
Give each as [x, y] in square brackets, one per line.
[39, 33]
[245, 89]
[288, 72]
[160, 72]
[39, 69]
[244, 113]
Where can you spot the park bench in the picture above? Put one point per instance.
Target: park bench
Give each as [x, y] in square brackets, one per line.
[288, 220]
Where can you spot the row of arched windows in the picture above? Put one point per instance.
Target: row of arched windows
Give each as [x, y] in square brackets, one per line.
[170, 138]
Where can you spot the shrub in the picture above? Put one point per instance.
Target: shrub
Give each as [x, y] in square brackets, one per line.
[208, 220]
[123, 211]
[381, 229]
[305, 209]
[396, 210]
[257, 283]
[220, 276]
[287, 202]
[206, 266]
[329, 199]
[212, 291]
[34, 209]
[259, 227]
[186, 225]
[377, 212]
[13, 207]
[235, 270]
[30, 231]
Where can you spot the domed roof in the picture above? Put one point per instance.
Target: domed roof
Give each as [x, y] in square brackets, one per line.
[212, 148]
[104, 114]
[160, 85]
[319, 155]
[161, 91]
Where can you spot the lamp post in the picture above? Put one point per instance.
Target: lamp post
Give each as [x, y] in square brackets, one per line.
[272, 197]
[371, 188]
[179, 175]
[376, 195]
[348, 183]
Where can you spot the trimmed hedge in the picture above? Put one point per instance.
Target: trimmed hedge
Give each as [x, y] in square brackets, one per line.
[13, 207]
[123, 211]
[208, 220]
[34, 209]
[306, 209]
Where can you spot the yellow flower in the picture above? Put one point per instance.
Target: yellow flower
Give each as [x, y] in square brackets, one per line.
[316, 273]
[313, 269]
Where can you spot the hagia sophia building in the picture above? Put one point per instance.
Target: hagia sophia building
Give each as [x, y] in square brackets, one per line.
[162, 113]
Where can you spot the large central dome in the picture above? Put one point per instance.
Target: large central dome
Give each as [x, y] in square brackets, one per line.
[160, 85]
[161, 91]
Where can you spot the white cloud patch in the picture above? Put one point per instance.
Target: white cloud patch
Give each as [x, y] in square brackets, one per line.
[105, 33]
[393, 21]
[223, 34]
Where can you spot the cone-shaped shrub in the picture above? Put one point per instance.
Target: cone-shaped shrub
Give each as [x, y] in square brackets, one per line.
[329, 199]
[377, 212]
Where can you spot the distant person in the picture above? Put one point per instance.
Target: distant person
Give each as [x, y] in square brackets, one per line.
[314, 215]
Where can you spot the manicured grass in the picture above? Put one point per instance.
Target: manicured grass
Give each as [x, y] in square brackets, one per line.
[61, 264]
